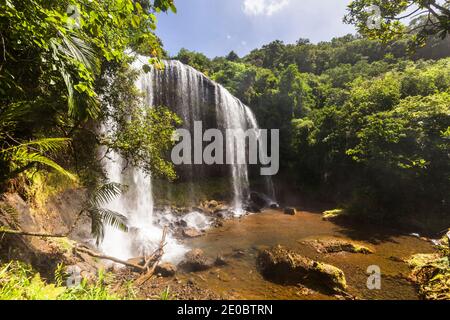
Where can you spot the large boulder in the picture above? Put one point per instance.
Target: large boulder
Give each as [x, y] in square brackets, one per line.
[195, 260]
[287, 267]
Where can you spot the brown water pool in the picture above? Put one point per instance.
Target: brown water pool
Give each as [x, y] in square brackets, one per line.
[239, 240]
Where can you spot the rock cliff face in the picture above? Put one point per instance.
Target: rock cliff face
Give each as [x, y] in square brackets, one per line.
[55, 216]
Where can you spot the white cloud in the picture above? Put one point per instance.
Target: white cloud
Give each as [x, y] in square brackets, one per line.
[263, 7]
[228, 36]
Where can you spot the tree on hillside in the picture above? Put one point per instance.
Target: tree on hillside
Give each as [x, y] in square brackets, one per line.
[232, 56]
[388, 20]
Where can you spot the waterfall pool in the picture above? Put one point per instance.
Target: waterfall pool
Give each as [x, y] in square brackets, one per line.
[239, 240]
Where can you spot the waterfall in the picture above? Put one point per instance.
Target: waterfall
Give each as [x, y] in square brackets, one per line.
[136, 203]
[193, 97]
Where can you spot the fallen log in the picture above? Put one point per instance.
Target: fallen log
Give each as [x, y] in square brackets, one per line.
[101, 256]
[152, 261]
[5, 230]
[147, 269]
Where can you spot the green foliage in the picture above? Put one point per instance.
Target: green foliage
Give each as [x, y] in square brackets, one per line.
[21, 157]
[142, 135]
[101, 217]
[55, 58]
[195, 59]
[166, 294]
[429, 18]
[18, 281]
[432, 274]
[390, 134]
[362, 123]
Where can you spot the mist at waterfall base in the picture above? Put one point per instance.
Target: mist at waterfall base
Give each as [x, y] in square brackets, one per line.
[193, 97]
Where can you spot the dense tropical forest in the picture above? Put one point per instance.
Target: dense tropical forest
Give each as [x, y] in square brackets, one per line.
[364, 125]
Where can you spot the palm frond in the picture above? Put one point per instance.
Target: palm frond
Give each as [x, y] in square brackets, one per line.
[78, 49]
[34, 157]
[24, 155]
[43, 145]
[101, 217]
[105, 194]
[71, 51]
[15, 111]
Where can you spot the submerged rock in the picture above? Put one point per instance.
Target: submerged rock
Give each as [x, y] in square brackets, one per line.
[284, 266]
[166, 269]
[334, 245]
[191, 233]
[290, 211]
[220, 261]
[195, 260]
[333, 214]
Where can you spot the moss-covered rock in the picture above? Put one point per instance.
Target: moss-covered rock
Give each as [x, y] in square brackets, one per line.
[335, 245]
[333, 214]
[287, 267]
[431, 272]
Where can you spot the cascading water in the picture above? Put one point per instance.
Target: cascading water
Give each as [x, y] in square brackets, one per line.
[193, 97]
[136, 204]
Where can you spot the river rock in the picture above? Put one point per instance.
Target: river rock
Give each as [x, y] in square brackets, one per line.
[258, 200]
[195, 260]
[213, 204]
[290, 211]
[202, 209]
[221, 213]
[335, 245]
[252, 208]
[140, 261]
[166, 269]
[333, 214]
[191, 233]
[220, 261]
[287, 267]
[182, 223]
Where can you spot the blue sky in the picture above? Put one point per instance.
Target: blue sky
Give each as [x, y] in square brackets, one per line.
[215, 27]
